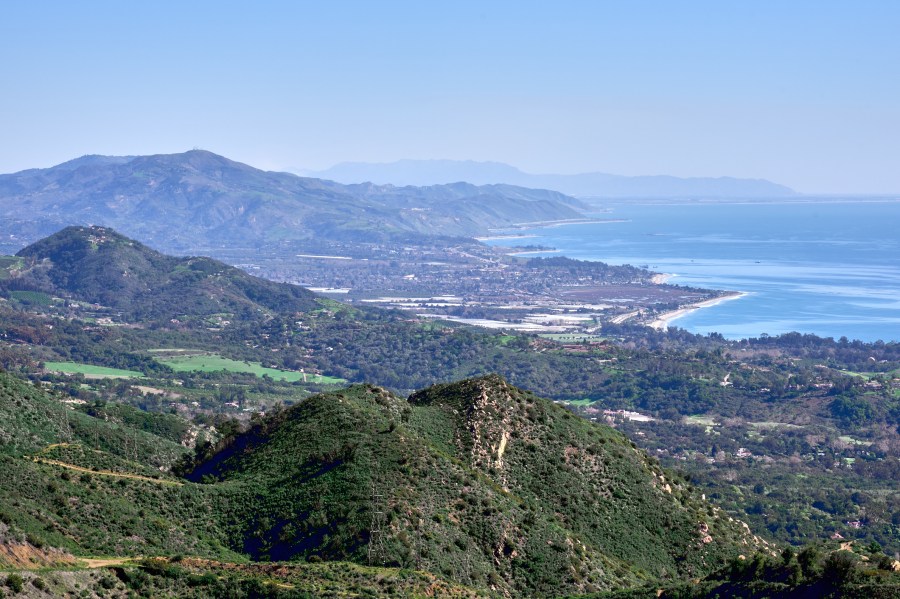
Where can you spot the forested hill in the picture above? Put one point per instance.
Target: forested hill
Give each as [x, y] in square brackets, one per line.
[482, 481]
[183, 203]
[99, 266]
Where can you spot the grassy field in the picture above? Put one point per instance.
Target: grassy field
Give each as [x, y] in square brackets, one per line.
[91, 371]
[215, 363]
[31, 297]
[700, 420]
[585, 401]
[864, 375]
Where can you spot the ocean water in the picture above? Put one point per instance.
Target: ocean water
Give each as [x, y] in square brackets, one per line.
[831, 268]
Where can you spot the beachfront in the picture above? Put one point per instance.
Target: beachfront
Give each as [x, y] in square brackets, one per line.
[664, 320]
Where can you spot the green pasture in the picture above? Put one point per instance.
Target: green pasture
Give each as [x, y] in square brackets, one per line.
[217, 363]
[585, 401]
[862, 375]
[31, 297]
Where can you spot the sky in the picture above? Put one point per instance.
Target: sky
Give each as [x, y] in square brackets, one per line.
[803, 93]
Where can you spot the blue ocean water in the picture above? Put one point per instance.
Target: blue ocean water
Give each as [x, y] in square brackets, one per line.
[831, 268]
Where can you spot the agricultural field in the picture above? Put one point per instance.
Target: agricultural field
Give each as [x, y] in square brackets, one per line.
[91, 371]
[182, 361]
[35, 298]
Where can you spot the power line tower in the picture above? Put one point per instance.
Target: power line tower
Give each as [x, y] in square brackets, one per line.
[65, 429]
[376, 527]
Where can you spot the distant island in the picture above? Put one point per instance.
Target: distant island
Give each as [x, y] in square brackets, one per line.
[582, 185]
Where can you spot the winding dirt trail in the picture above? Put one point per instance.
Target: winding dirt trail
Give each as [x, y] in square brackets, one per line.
[158, 481]
[105, 562]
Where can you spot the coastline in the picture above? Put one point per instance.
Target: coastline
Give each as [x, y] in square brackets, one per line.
[563, 223]
[663, 321]
[527, 252]
[661, 278]
[498, 237]
[549, 224]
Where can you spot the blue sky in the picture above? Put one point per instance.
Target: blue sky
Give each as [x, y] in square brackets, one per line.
[805, 93]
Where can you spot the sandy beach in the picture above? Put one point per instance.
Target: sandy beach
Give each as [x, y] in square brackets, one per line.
[527, 252]
[661, 278]
[665, 319]
[549, 224]
[563, 223]
[498, 237]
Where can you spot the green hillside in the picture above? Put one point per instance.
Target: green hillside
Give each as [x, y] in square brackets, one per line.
[480, 481]
[467, 489]
[95, 485]
[98, 266]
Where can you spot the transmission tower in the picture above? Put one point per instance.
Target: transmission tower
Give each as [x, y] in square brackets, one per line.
[376, 527]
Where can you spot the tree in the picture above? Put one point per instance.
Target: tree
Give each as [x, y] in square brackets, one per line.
[839, 568]
[808, 559]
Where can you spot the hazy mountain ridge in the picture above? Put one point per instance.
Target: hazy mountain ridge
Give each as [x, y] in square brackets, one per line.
[586, 185]
[198, 199]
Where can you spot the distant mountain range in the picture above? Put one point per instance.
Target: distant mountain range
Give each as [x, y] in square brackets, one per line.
[584, 185]
[196, 200]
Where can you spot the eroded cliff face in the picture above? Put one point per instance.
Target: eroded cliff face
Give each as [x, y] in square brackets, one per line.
[610, 496]
[18, 553]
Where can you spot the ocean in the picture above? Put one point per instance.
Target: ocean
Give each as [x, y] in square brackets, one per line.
[828, 267]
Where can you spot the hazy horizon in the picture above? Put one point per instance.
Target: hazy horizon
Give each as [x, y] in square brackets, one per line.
[798, 195]
[801, 94]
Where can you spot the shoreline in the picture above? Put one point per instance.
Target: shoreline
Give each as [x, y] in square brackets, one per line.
[663, 321]
[500, 237]
[548, 224]
[661, 278]
[527, 252]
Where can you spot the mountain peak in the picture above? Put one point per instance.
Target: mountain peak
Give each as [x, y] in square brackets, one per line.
[476, 468]
[98, 265]
[466, 395]
[74, 241]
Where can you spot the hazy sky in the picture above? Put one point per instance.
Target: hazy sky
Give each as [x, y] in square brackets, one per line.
[805, 93]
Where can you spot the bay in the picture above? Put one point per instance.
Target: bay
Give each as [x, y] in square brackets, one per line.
[827, 267]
